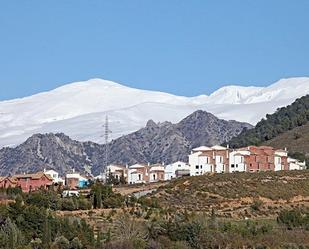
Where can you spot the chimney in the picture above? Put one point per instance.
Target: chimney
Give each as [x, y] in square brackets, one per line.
[227, 146]
[163, 163]
[148, 164]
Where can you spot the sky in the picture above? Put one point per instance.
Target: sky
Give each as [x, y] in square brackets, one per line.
[177, 46]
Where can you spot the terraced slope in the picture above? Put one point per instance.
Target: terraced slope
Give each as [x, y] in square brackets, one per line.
[238, 195]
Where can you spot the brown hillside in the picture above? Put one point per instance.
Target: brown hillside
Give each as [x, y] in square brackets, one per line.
[296, 140]
[238, 195]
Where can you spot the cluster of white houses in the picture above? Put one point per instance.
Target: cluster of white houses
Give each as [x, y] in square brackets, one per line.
[215, 159]
[202, 160]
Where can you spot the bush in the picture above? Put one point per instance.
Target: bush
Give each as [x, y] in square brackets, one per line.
[76, 244]
[256, 205]
[61, 243]
[68, 205]
[84, 204]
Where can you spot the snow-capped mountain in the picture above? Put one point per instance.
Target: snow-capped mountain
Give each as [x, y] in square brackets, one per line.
[79, 109]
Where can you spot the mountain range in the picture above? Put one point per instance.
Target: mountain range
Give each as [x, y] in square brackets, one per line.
[156, 143]
[79, 109]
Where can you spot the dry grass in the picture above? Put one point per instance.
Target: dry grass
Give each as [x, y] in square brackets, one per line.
[235, 195]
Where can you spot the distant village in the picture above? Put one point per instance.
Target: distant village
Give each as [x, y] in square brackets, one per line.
[202, 160]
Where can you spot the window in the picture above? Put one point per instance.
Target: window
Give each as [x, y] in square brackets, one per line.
[236, 165]
[196, 173]
[179, 165]
[201, 166]
[242, 159]
[139, 177]
[232, 165]
[196, 167]
[154, 177]
[207, 160]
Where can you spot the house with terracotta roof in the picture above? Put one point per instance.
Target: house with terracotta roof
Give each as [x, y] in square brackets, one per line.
[33, 182]
[7, 182]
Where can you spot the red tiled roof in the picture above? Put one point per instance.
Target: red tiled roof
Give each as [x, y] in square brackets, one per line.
[34, 176]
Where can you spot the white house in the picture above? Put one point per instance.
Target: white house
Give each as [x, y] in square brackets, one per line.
[199, 161]
[175, 170]
[279, 154]
[55, 176]
[295, 164]
[209, 159]
[117, 171]
[138, 173]
[237, 161]
[156, 173]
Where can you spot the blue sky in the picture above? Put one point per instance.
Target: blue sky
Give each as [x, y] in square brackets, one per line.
[178, 46]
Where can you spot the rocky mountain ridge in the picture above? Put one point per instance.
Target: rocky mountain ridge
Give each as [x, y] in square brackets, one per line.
[155, 143]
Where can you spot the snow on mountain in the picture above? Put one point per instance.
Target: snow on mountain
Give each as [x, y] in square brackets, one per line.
[79, 109]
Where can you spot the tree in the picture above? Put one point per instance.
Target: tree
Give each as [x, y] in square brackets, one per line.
[10, 235]
[46, 237]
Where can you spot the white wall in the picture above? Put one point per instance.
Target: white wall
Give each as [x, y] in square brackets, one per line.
[170, 170]
[219, 164]
[294, 164]
[199, 165]
[237, 159]
[135, 176]
[278, 163]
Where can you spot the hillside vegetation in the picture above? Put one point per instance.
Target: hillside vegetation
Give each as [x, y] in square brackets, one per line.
[283, 120]
[238, 195]
[296, 140]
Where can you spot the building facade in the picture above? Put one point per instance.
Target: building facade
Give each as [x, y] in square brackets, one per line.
[156, 172]
[255, 159]
[295, 164]
[205, 159]
[138, 173]
[33, 182]
[55, 176]
[175, 170]
[7, 182]
[117, 171]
